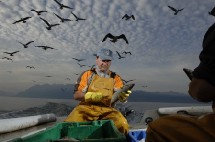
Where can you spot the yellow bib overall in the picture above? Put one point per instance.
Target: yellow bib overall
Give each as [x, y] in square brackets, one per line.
[87, 111]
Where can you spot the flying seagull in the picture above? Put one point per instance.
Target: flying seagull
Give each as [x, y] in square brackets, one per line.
[11, 54]
[38, 12]
[7, 58]
[81, 65]
[26, 45]
[120, 57]
[77, 18]
[175, 10]
[126, 52]
[31, 67]
[128, 17]
[78, 59]
[115, 38]
[62, 19]
[45, 47]
[23, 20]
[62, 5]
[212, 12]
[49, 25]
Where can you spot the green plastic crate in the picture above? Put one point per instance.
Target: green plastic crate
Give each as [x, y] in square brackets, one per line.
[92, 131]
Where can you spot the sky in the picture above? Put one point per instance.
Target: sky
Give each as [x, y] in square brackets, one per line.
[161, 43]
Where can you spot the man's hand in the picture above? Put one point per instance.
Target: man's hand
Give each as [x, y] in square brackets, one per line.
[93, 97]
[124, 95]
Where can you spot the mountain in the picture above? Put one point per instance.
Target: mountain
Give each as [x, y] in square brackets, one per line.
[173, 97]
[61, 91]
[52, 91]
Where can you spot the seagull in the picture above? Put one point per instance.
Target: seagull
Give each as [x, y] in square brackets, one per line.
[175, 10]
[31, 67]
[119, 55]
[11, 54]
[126, 81]
[77, 18]
[81, 65]
[62, 19]
[76, 73]
[38, 12]
[45, 47]
[125, 52]
[7, 58]
[115, 38]
[128, 17]
[48, 76]
[68, 78]
[26, 45]
[212, 12]
[62, 5]
[78, 59]
[22, 20]
[49, 25]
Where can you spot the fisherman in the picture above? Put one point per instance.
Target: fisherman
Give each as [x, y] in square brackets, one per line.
[94, 89]
[181, 128]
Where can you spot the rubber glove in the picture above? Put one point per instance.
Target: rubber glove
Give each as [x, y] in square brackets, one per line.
[93, 97]
[124, 95]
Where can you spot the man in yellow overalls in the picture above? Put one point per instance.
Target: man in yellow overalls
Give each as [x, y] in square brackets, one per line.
[94, 89]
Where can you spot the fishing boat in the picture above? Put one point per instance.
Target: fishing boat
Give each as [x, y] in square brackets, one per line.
[49, 128]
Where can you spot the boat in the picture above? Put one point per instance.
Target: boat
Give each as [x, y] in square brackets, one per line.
[48, 127]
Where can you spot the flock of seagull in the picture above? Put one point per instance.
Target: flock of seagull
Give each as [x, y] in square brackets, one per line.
[49, 26]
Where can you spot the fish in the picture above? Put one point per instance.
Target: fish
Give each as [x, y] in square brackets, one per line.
[125, 88]
[188, 72]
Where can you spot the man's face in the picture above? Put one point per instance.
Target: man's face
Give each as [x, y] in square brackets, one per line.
[103, 65]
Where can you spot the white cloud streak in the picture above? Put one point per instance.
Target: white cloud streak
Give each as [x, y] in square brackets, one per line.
[161, 43]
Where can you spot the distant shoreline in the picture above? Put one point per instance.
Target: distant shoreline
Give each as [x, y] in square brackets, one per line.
[19, 103]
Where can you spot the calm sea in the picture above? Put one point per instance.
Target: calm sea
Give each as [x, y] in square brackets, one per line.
[18, 103]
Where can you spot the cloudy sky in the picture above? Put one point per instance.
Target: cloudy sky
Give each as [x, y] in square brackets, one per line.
[161, 43]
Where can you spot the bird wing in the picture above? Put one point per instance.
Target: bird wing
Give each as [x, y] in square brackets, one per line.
[132, 16]
[118, 54]
[29, 42]
[67, 7]
[17, 21]
[58, 16]
[125, 16]
[172, 8]
[123, 37]
[20, 42]
[181, 9]
[54, 25]
[74, 15]
[14, 52]
[25, 18]
[213, 10]
[108, 35]
[57, 2]
[45, 21]
[81, 19]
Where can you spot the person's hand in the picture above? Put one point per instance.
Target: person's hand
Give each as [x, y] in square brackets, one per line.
[124, 95]
[93, 97]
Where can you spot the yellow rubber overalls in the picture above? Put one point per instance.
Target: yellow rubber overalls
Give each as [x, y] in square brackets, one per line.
[86, 111]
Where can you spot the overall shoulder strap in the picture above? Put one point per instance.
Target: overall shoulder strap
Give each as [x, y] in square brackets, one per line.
[91, 77]
[113, 74]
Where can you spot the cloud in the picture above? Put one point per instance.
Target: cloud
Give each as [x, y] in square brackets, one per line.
[157, 39]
